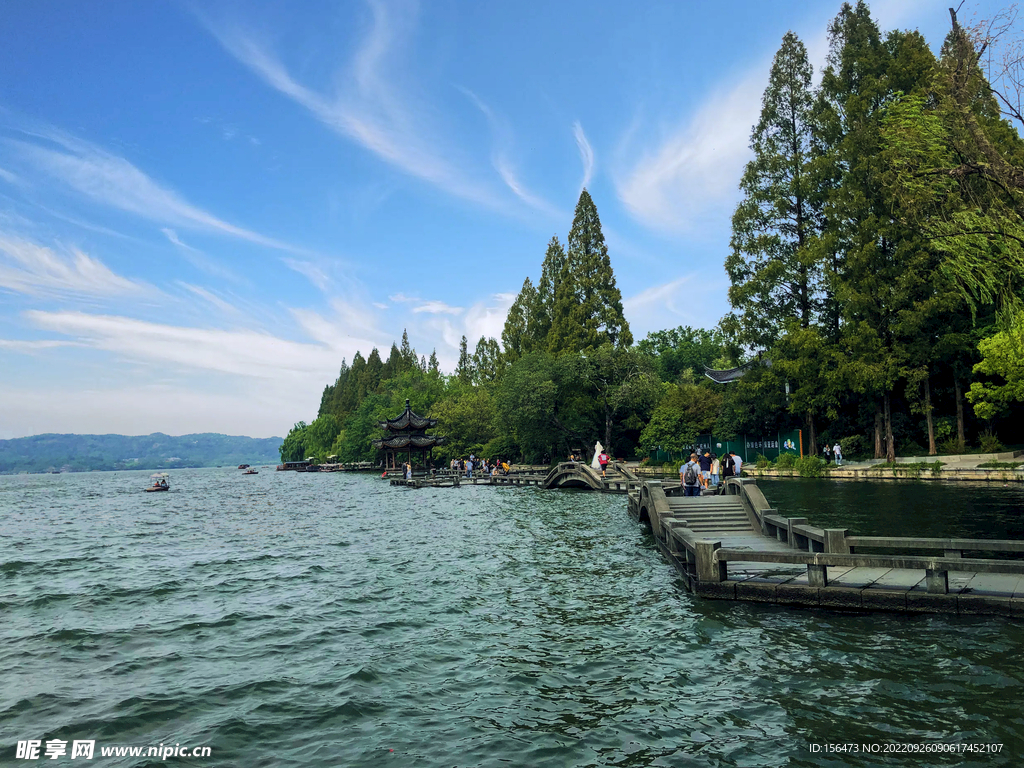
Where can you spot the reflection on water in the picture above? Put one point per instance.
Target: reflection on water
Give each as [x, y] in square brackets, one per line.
[294, 620]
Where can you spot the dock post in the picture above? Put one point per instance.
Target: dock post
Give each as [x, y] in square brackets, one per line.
[835, 541]
[938, 581]
[817, 575]
[709, 567]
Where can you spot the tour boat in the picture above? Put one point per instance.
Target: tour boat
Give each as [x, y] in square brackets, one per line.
[159, 483]
[250, 472]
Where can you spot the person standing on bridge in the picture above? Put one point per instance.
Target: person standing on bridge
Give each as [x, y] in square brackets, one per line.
[716, 468]
[737, 463]
[705, 468]
[602, 459]
[838, 451]
[689, 476]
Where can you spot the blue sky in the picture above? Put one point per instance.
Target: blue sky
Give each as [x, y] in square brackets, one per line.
[205, 207]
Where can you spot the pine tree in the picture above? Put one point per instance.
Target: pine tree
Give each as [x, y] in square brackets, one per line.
[539, 323]
[464, 369]
[408, 355]
[772, 269]
[423, 363]
[486, 361]
[879, 269]
[434, 366]
[587, 305]
[515, 336]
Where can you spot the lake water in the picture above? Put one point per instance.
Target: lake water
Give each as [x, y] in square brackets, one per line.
[288, 619]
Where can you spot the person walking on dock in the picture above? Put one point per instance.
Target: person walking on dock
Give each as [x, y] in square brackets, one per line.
[838, 451]
[689, 476]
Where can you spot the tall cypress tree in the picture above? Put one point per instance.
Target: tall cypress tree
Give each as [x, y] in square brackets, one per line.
[550, 275]
[515, 336]
[464, 369]
[587, 305]
[771, 267]
[879, 269]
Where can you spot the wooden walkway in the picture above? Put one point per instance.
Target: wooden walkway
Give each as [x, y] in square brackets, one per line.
[734, 546]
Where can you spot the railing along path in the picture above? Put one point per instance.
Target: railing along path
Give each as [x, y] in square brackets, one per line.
[734, 545]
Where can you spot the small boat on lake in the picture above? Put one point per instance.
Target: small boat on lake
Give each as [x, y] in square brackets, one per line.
[250, 472]
[159, 483]
[243, 466]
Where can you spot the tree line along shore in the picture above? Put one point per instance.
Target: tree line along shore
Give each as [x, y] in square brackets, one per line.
[876, 268]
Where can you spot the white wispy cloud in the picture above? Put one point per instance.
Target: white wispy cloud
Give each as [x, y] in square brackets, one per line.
[33, 269]
[19, 345]
[586, 153]
[9, 177]
[210, 297]
[112, 180]
[238, 352]
[690, 178]
[312, 272]
[365, 106]
[200, 260]
[437, 308]
[693, 174]
[694, 299]
[501, 160]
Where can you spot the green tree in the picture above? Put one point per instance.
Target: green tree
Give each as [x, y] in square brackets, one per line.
[587, 308]
[686, 411]
[527, 400]
[516, 336]
[487, 362]
[1002, 358]
[464, 369]
[772, 269]
[683, 348]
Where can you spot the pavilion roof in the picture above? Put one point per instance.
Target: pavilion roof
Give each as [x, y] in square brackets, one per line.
[407, 421]
[406, 441]
[734, 374]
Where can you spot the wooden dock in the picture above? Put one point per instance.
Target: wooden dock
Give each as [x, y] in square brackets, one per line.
[735, 546]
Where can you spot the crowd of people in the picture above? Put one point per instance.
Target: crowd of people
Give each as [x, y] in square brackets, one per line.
[707, 470]
[486, 467]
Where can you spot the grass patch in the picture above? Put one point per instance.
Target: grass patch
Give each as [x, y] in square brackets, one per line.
[909, 469]
[999, 465]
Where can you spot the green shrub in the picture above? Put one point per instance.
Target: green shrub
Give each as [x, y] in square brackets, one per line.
[911, 448]
[949, 446]
[763, 462]
[854, 445]
[786, 461]
[810, 466]
[990, 442]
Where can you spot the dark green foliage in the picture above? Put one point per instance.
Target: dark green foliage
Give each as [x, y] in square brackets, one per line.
[681, 349]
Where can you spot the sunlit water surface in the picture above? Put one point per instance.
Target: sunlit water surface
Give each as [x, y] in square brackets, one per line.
[288, 619]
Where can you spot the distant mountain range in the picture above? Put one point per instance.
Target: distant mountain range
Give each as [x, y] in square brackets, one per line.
[81, 453]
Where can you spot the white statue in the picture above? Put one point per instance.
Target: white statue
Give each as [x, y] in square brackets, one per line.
[598, 450]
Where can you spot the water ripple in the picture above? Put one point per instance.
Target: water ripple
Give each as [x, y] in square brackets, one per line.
[334, 620]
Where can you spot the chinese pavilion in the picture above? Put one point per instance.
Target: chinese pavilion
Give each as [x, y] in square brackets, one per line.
[406, 434]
